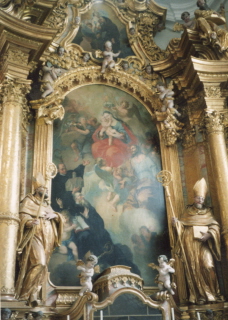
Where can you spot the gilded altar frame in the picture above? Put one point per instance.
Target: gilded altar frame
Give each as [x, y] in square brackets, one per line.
[201, 83]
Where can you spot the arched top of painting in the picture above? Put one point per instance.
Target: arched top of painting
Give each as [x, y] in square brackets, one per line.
[93, 100]
[101, 22]
[148, 106]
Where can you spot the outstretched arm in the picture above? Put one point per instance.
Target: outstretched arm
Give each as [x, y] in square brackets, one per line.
[116, 54]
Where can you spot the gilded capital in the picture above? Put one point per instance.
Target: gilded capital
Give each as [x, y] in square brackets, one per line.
[169, 127]
[49, 114]
[213, 92]
[214, 122]
[14, 91]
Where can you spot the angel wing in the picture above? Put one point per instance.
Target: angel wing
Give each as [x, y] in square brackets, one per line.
[104, 175]
[86, 256]
[79, 263]
[97, 269]
[171, 262]
[152, 265]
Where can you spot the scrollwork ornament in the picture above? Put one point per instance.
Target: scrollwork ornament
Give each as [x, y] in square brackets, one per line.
[58, 16]
[214, 122]
[146, 25]
[164, 177]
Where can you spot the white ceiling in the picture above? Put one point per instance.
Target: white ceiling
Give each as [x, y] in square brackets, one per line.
[174, 11]
[176, 7]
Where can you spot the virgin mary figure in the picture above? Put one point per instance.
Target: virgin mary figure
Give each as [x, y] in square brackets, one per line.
[112, 140]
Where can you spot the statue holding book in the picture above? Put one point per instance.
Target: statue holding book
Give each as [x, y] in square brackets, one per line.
[200, 237]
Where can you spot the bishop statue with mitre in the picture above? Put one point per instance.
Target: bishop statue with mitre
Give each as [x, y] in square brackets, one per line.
[200, 237]
[39, 233]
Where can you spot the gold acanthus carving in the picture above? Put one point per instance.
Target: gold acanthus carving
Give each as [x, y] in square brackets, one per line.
[73, 57]
[149, 18]
[213, 92]
[57, 18]
[14, 91]
[214, 122]
[147, 22]
[18, 56]
[15, 8]
[92, 75]
[188, 137]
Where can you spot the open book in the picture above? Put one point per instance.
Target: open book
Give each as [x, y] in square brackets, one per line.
[197, 231]
[80, 224]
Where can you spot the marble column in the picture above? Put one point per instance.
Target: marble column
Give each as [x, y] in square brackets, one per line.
[13, 92]
[219, 162]
[170, 162]
[43, 140]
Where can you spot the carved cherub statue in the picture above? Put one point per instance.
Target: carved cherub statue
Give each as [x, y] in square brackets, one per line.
[188, 23]
[166, 96]
[52, 70]
[163, 278]
[88, 271]
[108, 55]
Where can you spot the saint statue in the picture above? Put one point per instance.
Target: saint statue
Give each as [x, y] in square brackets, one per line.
[39, 233]
[200, 236]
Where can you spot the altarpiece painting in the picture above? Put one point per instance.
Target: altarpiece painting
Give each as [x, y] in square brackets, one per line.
[110, 166]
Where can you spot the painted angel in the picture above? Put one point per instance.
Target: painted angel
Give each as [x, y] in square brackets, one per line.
[87, 271]
[116, 182]
[164, 268]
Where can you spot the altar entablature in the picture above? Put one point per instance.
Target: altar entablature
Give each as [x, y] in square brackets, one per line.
[34, 11]
[21, 46]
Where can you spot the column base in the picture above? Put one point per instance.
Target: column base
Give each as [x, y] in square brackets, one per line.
[7, 297]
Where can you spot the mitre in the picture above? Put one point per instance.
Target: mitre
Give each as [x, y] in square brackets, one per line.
[38, 181]
[200, 188]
